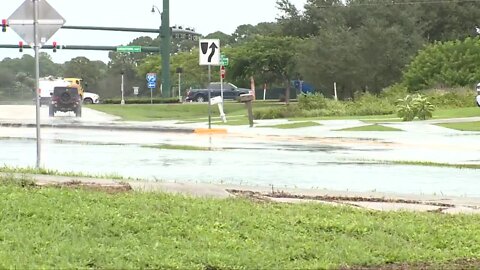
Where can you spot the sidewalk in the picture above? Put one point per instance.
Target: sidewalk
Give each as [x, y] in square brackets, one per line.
[370, 200]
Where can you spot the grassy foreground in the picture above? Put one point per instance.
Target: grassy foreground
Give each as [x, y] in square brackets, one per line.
[73, 228]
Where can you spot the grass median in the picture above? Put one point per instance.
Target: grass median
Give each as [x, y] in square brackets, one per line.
[75, 228]
[374, 127]
[193, 112]
[198, 112]
[462, 126]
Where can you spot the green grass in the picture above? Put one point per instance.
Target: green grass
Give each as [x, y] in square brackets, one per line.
[456, 113]
[374, 127]
[465, 126]
[388, 117]
[189, 112]
[435, 164]
[74, 228]
[178, 147]
[43, 171]
[194, 112]
[295, 125]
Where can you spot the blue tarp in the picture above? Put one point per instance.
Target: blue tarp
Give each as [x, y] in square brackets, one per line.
[306, 87]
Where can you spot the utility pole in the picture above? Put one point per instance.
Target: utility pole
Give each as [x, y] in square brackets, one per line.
[165, 48]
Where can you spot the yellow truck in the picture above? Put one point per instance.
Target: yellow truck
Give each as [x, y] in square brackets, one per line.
[76, 82]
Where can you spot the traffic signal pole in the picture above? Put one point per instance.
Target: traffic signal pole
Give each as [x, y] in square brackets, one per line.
[165, 48]
[76, 47]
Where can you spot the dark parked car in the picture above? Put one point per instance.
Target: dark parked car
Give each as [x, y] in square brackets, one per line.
[230, 91]
[65, 99]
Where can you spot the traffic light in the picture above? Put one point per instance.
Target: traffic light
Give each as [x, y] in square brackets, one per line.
[54, 46]
[20, 46]
[4, 25]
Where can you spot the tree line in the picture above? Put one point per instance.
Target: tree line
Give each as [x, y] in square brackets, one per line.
[361, 45]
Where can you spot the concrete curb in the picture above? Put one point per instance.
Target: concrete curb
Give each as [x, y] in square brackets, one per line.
[98, 127]
[206, 131]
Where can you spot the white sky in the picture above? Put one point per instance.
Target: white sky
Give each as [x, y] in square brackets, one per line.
[206, 16]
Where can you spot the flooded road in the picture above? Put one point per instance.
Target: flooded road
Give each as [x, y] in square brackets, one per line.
[328, 168]
[318, 157]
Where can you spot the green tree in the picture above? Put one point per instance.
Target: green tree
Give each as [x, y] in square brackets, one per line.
[292, 22]
[270, 59]
[90, 71]
[445, 64]
[225, 39]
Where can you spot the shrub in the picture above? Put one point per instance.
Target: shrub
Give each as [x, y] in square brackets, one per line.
[414, 106]
[405, 109]
[277, 112]
[312, 102]
[455, 98]
[368, 104]
[394, 93]
[423, 107]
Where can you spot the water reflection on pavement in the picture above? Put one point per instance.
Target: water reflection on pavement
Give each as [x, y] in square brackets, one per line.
[333, 168]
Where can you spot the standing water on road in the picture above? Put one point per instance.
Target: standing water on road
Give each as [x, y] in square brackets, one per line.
[257, 167]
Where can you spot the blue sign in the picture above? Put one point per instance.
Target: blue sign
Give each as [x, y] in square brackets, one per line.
[152, 80]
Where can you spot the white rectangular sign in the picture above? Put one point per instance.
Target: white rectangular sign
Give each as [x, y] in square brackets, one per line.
[209, 52]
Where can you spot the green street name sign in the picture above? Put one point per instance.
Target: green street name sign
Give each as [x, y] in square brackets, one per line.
[223, 60]
[133, 49]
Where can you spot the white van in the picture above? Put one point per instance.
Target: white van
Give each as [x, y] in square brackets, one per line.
[46, 86]
[48, 83]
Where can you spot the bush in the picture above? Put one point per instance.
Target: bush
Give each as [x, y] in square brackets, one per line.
[277, 112]
[423, 107]
[312, 102]
[449, 99]
[394, 93]
[414, 106]
[332, 108]
[368, 104]
[142, 101]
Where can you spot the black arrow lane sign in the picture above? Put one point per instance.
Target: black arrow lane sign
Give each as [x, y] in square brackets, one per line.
[213, 47]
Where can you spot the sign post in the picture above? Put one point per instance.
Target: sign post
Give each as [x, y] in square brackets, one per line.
[179, 71]
[122, 102]
[222, 77]
[152, 84]
[209, 55]
[36, 22]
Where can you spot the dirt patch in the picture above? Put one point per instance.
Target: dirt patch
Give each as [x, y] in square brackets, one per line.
[254, 196]
[453, 265]
[327, 198]
[98, 187]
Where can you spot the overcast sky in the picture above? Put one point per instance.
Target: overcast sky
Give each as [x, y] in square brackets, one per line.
[206, 16]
